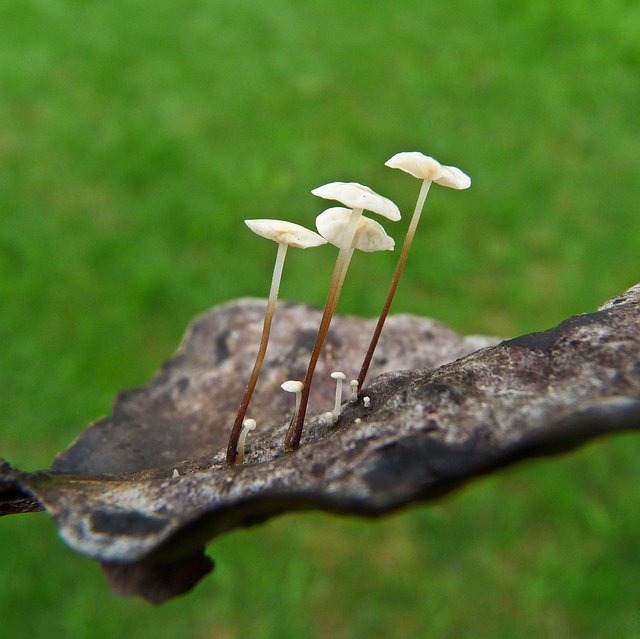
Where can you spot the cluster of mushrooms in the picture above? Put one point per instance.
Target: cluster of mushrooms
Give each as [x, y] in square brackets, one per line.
[348, 229]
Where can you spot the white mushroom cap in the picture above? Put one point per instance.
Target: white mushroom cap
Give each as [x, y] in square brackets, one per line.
[369, 235]
[249, 424]
[292, 386]
[284, 232]
[426, 168]
[338, 375]
[356, 196]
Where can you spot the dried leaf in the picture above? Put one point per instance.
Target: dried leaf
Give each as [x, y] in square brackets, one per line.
[426, 430]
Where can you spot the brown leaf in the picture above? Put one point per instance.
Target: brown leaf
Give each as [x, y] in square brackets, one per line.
[427, 429]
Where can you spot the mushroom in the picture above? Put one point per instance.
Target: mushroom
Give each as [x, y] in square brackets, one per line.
[294, 386]
[369, 236]
[247, 425]
[285, 234]
[347, 230]
[354, 388]
[428, 170]
[339, 377]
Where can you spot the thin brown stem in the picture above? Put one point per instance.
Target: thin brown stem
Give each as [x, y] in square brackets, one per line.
[424, 190]
[292, 440]
[255, 373]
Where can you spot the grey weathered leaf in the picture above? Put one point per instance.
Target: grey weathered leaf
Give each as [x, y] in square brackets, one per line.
[430, 426]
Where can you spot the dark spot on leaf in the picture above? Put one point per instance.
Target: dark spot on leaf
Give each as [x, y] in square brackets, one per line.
[437, 390]
[222, 346]
[333, 339]
[429, 463]
[306, 339]
[130, 523]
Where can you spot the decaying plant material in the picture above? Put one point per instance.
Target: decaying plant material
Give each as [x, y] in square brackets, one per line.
[142, 491]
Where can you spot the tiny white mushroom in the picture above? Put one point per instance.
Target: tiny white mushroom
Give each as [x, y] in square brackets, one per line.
[354, 388]
[175, 473]
[428, 170]
[358, 198]
[339, 377]
[294, 386]
[285, 234]
[369, 236]
[247, 425]
[425, 167]
[366, 400]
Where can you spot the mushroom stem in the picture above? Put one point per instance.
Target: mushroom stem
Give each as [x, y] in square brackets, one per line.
[247, 425]
[339, 377]
[411, 231]
[264, 340]
[294, 386]
[292, 440]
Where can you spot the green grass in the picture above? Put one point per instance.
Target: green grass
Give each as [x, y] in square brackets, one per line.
[135, 137]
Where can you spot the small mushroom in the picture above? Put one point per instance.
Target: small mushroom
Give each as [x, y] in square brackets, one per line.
[294, 386]
[339, 377]
[428, 170]
[247, 425]
[359, 198]
[285, 234]
[343, 233]
[354, 388]
[369, 236]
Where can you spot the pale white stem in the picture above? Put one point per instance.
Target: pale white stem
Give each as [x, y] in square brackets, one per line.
[344, 255]
[298, 400]
[264, 340]
[338, 376]
[422, 196]
[354, 388]
[275, 283]
[294, 386]
[340, 270]
[248, 424]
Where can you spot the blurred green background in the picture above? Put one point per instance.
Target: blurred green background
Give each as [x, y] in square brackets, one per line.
[134, 139]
